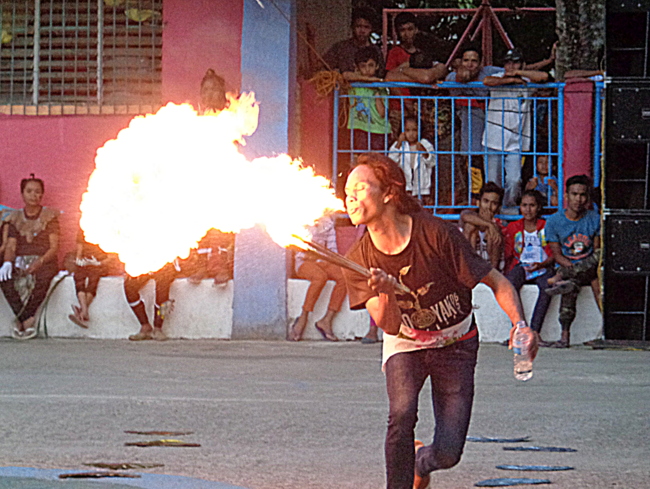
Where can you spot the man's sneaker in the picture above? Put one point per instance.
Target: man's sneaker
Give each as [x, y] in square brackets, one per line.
[561, 287]
[420, 481]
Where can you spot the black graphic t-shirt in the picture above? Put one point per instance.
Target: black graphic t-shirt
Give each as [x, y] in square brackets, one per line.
[440, 268]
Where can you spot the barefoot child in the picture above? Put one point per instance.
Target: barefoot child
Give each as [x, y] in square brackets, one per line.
[91, 265]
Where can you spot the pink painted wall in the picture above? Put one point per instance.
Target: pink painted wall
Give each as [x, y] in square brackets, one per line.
[61, 151]
[198, 34]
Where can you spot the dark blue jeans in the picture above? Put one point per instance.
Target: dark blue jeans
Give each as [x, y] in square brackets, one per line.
[451, 370]
[517, 277]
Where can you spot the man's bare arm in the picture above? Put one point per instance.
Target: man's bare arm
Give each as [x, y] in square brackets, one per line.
[560, 259]
[420, 75]
[383, 308]
[508, 299]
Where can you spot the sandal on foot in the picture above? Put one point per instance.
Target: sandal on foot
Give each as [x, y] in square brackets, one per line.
[158, 335]
[141, 336]
[560, 344]
[326, 334]
[293, 335]
[561, 287]
[78, 321]
[29, 333]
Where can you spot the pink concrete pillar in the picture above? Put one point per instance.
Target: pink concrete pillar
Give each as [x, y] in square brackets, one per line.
[578, 127]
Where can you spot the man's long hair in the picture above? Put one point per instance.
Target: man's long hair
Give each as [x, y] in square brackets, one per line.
[391, 179]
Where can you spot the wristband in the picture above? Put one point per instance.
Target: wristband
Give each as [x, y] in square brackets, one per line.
[521, 324]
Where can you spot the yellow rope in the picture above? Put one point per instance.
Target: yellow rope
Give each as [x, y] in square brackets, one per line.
[325, 83]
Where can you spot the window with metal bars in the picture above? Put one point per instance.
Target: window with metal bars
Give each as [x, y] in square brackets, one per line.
[80, 56]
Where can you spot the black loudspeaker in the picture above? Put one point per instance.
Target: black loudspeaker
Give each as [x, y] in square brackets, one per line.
[626, 302]
[627, 5]
[628, 243]
[626, 235]
[629, 111]
[627, 145]
[626, 42]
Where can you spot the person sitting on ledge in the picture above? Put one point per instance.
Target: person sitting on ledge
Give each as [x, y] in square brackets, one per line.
[30, 256]
[574, 237]
[163, 279]
[318, 272]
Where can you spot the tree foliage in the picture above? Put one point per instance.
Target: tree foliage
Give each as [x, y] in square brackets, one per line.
[533, 33]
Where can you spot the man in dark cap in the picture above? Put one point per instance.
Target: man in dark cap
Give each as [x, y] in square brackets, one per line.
[508, 129]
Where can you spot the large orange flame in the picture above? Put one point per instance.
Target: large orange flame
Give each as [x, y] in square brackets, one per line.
[169, 177]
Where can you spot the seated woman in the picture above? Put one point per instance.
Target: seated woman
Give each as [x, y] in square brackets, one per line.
[213, 93]
[30, 256]
[318, 272]
[528, 256]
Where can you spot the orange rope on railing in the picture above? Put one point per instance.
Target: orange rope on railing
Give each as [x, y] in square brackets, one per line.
[326, 82]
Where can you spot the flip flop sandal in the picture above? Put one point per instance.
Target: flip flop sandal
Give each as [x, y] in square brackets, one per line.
[293, 336]
[141, 336]
[326, 334]
[29, 333]
[78, 321]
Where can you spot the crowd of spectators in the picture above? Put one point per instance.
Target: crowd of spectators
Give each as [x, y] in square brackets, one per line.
[30, 247]
[495, 120]
[558, 256]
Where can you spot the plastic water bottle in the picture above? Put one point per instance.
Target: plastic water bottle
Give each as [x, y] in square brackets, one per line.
[520, 345]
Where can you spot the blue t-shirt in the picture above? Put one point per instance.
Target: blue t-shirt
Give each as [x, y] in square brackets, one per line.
[575, 237]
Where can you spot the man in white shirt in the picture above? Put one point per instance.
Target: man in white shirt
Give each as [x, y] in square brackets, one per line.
[507, 132]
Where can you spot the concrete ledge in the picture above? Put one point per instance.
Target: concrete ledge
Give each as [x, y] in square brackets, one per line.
[494, 325]
[205, 311]
[200, 311]
[347, 324]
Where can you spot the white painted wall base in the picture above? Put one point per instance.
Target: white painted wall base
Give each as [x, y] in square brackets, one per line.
[200, 311]
[347, 324]
[494, 325]
[205, 311]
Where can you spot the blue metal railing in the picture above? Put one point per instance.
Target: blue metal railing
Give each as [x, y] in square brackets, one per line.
[530, 117]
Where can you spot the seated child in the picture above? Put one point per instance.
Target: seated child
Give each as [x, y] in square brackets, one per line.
[91, 263]
[542, 182]
[482, 229]
[416, 158]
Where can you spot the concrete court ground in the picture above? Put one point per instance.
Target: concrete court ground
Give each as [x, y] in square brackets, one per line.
[309, 415]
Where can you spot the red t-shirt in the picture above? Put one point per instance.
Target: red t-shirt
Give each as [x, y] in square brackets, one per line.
[396, 57]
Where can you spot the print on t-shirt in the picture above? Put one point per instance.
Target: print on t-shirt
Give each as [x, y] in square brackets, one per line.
[440, 313]
[578, 245]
